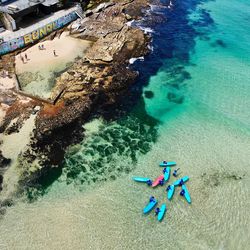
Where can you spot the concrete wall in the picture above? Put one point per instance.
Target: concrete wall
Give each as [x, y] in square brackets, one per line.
[25, 37]
[8, 22]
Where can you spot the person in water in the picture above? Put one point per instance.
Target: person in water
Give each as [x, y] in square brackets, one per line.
[157, 210]
[175, 172]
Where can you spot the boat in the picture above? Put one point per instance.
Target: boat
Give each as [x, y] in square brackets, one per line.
[157, 181]
[170, 192]
[162, 212]
[185, 179]
[167, 163]
[167, 174]
[149, 206]
[141, 179]
[186, 193]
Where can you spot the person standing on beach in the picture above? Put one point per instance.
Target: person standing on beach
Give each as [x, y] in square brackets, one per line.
[54, 52]
[26, 57]
[22, 59]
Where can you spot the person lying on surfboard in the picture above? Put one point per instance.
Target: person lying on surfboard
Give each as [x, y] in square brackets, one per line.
[161, 182]
[149, 182]
[152, 198]
[181, 183]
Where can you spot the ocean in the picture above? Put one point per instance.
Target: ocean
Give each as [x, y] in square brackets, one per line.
[191, 104]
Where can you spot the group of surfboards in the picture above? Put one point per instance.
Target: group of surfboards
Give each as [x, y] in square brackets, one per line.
[161, 180]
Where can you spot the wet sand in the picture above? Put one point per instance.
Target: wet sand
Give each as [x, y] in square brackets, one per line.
[12, 145]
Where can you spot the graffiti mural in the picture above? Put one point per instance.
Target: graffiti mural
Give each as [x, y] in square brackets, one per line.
[39, 33]
[18, 43]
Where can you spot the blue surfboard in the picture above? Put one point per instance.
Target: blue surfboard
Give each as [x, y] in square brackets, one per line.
[167, 174]
[141, 179]
[149, 206]
[167, 164]
[185, 178]
[162, 212]
[186, 194]
[170, 192]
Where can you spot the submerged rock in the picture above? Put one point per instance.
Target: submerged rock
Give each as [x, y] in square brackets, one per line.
[1, 182]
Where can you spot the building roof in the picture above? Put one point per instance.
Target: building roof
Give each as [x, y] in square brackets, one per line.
[13, 7]
[50, 2]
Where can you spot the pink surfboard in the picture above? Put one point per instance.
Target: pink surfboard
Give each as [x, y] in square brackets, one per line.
[157, 181]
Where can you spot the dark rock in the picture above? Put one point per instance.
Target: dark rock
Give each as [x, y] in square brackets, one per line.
[149, 94]
[4, 162]
[7, 203]
[172, 97]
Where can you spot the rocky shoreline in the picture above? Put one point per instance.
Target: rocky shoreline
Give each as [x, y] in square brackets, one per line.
[91, 83]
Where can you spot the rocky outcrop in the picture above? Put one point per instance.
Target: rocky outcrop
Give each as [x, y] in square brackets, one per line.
[91, 83]
[102, 75]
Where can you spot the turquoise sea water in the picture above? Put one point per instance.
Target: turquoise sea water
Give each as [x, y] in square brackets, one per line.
[194, 102]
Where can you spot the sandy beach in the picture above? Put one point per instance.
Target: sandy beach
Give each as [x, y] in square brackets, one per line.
[37, 72]
[66, 48]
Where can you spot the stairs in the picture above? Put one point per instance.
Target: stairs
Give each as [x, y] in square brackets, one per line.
[79, 11]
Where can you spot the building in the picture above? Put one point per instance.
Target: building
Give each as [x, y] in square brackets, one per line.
[25, 22]
[19, 13]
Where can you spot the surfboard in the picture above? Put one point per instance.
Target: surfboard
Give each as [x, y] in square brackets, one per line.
[167, 174]
[186, 194]
[167, 164]
[170, 192]
[185, 179]
[149, 206]
[141, 179]
[162, 212]
[157, 180]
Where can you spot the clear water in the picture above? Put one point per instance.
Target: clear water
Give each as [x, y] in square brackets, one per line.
[195, 110]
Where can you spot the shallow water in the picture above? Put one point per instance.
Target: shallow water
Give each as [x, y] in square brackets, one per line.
[195, 110]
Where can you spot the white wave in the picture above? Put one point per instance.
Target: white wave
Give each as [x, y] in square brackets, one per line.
[130, 23]
[157, 8]
[146, 30]
[133, 59]
[151, 48]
